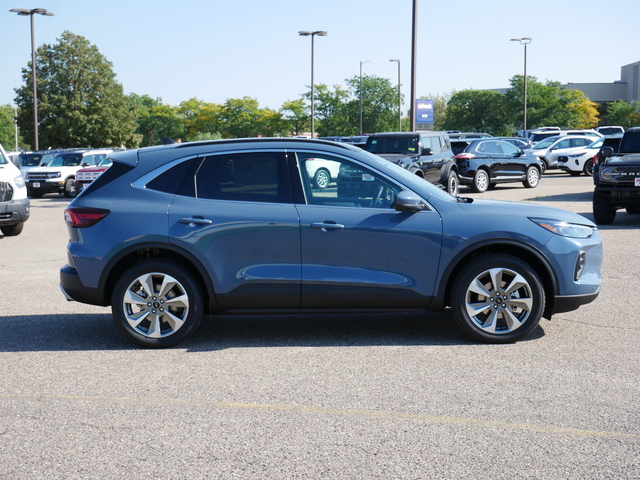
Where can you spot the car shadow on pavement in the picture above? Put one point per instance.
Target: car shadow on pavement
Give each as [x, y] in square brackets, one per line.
[98, 332]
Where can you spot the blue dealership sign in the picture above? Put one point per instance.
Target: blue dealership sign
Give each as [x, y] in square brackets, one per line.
[424, 111]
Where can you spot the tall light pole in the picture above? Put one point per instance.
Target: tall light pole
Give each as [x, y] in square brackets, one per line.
[524, 41]
[307, 33]
[25, 12]
[414, 64]
[399, 98]
[362, 63]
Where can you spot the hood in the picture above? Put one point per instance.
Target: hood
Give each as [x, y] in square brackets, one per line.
[523, 209]
[397, 158]
[628, 159]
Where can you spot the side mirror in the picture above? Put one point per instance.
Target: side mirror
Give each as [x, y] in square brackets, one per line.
[605, 152]
[426, 151]
[408, 202]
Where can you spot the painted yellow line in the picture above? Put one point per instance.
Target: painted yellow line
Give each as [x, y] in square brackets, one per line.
[433, 419]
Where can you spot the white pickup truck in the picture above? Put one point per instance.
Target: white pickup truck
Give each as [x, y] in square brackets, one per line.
[60, 173]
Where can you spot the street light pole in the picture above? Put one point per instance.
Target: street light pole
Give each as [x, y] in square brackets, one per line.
[399, 98]
[524, 41]
[362, 63]
[25, 12]
[307, 33]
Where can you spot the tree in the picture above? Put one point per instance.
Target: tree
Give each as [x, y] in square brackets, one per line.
[549, 104]
[622, 113]
[379, 103]
[296, 116]
[79, 101]
[7, 127]
[156, 120]
[478, 111]
[331, 115]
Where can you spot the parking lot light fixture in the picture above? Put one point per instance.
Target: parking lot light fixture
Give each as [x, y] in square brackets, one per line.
[399, 97]
[362, 63]
[524, 41]
[309, 33]
[24, 12]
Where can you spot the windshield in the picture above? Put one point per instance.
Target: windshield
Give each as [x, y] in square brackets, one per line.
[3, 157]
[30, 160]
[66, 160]
[105, 162]
[546, 143]
[597, 144]
[406, 145]
[537, 137]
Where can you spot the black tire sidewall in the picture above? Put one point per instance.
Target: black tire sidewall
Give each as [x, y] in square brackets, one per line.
[466, 277]
[190, 286]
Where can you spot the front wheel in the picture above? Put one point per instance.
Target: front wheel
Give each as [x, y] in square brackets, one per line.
[70, 188]
[532, 178]
[322, 178]
[497, 299]
[157, 304]
[480, 181]
[12, 230]
[603, 212]
[588, 168]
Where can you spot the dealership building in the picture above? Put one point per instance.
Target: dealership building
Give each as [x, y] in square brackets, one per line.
[626, 89]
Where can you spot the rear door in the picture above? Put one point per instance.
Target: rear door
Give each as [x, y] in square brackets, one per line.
[235, 214]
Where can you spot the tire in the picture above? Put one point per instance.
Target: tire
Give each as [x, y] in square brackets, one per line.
[603, 212]
[532, 178]
[588, 168]
[322, 178]
[480, 181]
[151, 314]
[12, 230]
[452, 183]
[544, 166]
[497, 298]
[635, 210]
[70, 188]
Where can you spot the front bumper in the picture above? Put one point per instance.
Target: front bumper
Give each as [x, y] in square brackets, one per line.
[16, 211]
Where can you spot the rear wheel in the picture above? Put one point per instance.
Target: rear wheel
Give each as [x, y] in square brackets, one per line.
[12, 230]
[497, 299]
[480, 181]
[157, 304]
[603, 212]
[532, 178]
[452, 183]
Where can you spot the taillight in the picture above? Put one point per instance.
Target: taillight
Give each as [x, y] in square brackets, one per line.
[82, 217]
[464, 156]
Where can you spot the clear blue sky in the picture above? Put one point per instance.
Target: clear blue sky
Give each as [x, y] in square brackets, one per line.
[214, 49]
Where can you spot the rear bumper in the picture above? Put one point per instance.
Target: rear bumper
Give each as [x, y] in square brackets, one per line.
[74, 290]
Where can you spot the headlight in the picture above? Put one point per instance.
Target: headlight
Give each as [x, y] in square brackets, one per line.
[564, 229]
[19, 181]
[606, 174]
[575, 155]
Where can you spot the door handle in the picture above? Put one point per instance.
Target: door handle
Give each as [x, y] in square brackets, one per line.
[193, 221]
[326, 226]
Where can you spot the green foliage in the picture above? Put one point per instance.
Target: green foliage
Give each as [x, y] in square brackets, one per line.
[7, 127]
[295, 115]
[155, 120]
[477, 111]
[440, 103]
[621, 113]
[549, 104]
[79, 101]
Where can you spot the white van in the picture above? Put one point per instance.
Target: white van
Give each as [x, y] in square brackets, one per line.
[14, 203]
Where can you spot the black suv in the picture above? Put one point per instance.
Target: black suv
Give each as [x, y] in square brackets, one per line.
[617, 179]
[427, 154]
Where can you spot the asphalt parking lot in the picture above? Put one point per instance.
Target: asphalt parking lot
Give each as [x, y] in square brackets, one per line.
[402, 396]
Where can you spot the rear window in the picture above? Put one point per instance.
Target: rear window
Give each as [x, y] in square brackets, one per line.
[401, 144]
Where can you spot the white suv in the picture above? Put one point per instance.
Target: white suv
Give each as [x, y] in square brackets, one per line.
[14, 204]
[60, 173]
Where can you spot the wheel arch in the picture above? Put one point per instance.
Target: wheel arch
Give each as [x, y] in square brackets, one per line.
[138, 253]
[530, 255]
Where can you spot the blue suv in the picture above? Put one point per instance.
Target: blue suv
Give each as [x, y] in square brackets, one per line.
[170, 234]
